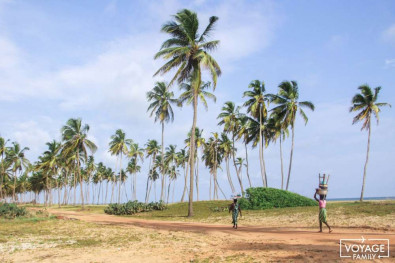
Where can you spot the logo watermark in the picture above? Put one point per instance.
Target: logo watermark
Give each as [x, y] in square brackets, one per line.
[365, 249]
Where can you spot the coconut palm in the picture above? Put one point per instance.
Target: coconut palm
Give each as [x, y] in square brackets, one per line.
[183, 160]
[276, 127]
[161, 100]
[119, 146]
[135, 153]
[17, 160]
[90, 170]
[75, 138]
[226, 147]
[3, 150]
[288, 105]
[243, 134]
[187, 51]
[229, 118]
[365, 103]
[49, 164]
[152, 149]
[256, 105]
[213, 156]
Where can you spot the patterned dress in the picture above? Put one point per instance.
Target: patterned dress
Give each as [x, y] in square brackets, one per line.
[235, 213]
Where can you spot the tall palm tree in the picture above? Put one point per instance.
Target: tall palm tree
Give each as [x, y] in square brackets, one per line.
[171, 162]
[135, 153]
[278, 131]
[18, 162]
[161, 100]
[288, 105]
[256, 105]
[227, 149]
[229, 117]
[187, 51]
[133, 168]
[365, 103]
[152, 149]
[49, 163]
[183, 160]
[243, 134]
[75, 138]
[3, 150]
[213, 156]
[118, 146]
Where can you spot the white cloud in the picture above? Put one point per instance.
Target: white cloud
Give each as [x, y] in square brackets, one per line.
[389, 63]
[389, 34]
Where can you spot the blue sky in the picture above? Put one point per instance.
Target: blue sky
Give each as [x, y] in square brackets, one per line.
[94, 60]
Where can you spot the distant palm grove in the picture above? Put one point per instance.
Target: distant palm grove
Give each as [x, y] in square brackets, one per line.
[67, 173]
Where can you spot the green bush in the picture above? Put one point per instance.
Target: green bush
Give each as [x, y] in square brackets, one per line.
[133, 207]
[11, 211]
[259, 198]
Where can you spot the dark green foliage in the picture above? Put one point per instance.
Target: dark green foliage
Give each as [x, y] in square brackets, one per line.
[133, 207]
[259, 198]
[11, 211]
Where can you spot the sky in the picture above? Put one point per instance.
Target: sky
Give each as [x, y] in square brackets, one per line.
[95, 60]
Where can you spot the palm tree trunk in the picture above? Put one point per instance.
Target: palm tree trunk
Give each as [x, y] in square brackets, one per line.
[120, 179]
[185, 180]
[248, 174]
[98, 195]
[232, 187]
[366, 166]
[105, 199]
[13, 190]
[134, 186]
[282, 167]
[162, 191]
[192, 151]
[197, 176]
[290, 159]
[234, 163]
[263, 162]
[261, 150]
[81, 183]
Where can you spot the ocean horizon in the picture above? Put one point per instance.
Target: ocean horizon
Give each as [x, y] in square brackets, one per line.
[365, 198]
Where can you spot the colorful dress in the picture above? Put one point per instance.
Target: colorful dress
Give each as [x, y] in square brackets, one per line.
[322, 214]
[235, 213]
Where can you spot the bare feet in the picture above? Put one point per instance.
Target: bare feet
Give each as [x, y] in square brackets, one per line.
[330, 230]
[320, 231]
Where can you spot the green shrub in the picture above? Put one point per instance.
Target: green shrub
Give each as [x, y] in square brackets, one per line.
[259, 198]
[11, 211]
[133, 207]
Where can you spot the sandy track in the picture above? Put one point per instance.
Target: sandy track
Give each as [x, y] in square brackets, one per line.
[279, 243]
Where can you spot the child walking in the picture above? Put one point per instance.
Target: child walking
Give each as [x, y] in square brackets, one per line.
[322, 214]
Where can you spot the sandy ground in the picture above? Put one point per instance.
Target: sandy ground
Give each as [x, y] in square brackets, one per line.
[169, 241]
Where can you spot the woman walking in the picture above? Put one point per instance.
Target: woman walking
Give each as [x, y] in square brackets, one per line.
[322, 214]
[235, 208]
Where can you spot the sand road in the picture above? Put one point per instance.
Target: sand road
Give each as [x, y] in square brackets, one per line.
[264, 244]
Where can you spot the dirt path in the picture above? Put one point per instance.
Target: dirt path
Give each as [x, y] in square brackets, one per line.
[280, 243]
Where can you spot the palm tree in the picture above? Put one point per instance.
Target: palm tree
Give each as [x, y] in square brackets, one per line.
[161, 100]
[118, 146]
[49, 164]
[287, 107]
[278, 131]
[243, 133]
[75, 138]
[3, 150]
[17, 160]
[366, 104]
[227, 149]
[152, 149]
[90, 170]
[213, 156]
[229, 117]
[257, 108]
[187, 51]
[183, 160]
[135, 153]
